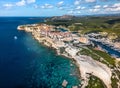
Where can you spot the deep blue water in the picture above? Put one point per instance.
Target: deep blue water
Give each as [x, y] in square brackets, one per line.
[108, 49]
[63, 30]
[24, 63]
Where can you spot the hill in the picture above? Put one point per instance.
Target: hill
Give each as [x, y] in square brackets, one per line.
[86, 24]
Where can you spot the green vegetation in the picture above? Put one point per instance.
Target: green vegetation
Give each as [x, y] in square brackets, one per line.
[86, 51]
[97, 55]
[95, 82]
[114, 83]
[119, 63]
[106, 56]
[109, 24]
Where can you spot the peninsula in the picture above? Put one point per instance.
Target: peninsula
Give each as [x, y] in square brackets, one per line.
[92, 61]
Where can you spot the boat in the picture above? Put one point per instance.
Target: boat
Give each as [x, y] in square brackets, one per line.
[15, 37]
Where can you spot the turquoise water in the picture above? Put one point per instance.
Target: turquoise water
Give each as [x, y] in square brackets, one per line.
[24, 63]
[48, 69]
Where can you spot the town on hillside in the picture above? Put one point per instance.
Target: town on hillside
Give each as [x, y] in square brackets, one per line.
[90, 57]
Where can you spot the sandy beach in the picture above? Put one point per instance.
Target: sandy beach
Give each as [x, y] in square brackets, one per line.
[89, 66]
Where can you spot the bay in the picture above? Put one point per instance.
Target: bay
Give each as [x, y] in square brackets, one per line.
[24, 63]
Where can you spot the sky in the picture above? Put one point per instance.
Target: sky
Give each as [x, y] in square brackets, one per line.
[58, 7]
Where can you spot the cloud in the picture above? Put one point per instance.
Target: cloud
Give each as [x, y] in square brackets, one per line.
[97, 7]
[94, 10]
[83, 8]
[60, 3]
[47, 6]
[21, 3]
[116, 5]
[71, 12]
[90, 0]
[7, 6]
[78, 7]
[77, 12]
[77, 2]
[105, 6]
[30, 1]
[113, 8]
[61, 8]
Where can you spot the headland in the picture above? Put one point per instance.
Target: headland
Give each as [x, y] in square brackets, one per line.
[71, 45]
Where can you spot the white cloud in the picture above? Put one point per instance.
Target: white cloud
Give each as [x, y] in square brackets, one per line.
[60, 3]
[78, 7]
[117, 9]
[116, 5]
[46, 6]
[97, 7]
[21, 3]
[94, 10]
[83, 8]
[105, 6]
[77, 2]
[30, 1]
[71, 12]
[7, 6]
[24, 2]
[61, 8]
[112, 8]
[90, 0]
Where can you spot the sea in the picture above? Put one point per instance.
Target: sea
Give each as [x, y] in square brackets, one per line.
[111, 51]
[24, 63]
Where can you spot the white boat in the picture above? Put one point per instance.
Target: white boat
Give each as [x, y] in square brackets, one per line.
[15, 37]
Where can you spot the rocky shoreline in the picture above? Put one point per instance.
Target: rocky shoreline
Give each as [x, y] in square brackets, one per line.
[87, 66]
